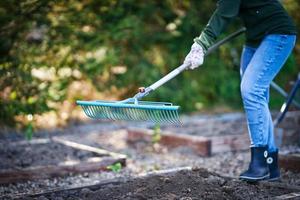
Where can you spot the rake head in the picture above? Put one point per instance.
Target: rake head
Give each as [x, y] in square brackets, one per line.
[157, 112]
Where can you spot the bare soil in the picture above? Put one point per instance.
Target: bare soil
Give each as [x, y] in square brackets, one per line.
[25, 155]
[182, 185]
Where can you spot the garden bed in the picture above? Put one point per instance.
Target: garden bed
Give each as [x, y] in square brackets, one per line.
[45, 158]
[185, 184]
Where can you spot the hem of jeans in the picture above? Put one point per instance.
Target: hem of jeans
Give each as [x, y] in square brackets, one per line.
[273, 150]
[259, 145]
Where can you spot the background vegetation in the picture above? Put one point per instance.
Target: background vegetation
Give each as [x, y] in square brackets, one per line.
[54, 52]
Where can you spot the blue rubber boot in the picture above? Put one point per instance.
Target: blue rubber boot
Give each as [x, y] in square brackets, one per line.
[258, 167]
[274, 170]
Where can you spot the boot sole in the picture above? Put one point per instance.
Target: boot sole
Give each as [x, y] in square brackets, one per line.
[274, 179]
[254, 179]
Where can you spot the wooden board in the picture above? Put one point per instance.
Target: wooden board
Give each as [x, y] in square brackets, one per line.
[201, 145]
[290, 162]
[93, 164]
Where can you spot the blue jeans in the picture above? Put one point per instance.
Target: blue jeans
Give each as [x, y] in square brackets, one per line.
[258, 68]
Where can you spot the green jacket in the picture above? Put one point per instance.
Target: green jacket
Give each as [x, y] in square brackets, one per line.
[261, 18]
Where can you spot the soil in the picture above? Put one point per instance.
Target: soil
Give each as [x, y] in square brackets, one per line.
[182, 185]
[25, 155]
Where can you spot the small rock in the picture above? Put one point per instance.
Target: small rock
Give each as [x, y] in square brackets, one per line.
[166, 180]
[185, 198]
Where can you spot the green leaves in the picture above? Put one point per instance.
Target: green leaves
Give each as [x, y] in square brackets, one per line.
[29, 131]
[45, 46]
[115, 167]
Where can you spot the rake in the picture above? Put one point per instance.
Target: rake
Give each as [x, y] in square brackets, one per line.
[132, 109]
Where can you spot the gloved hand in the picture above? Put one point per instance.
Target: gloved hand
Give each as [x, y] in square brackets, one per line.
[195, 57]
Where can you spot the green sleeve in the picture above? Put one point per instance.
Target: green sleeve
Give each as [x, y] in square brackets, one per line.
[225, 12]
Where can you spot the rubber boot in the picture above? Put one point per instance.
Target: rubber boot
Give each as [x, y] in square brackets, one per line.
[258, 167]
[274, 170]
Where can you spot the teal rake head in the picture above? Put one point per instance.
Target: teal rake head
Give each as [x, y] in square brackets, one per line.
[131, 110]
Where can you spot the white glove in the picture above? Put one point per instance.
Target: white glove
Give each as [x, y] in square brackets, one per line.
[195, 57]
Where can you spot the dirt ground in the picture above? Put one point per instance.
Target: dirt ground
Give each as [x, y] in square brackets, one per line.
[182, 185]
[24, 155]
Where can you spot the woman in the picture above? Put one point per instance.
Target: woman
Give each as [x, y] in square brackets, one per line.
[270, 38]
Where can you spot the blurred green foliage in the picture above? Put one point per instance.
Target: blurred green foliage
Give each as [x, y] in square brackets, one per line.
[46, 45]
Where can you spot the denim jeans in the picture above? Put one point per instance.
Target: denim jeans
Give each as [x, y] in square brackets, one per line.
[258, 68]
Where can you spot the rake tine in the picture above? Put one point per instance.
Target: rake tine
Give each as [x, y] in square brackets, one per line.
[135, 114]
[157, 112]
[138, 114]
[90, 110]
[120, 115]
[151, 116]
[128, 114]
[162, 116]
[98, 113]
[148, 115]
[145, 115]
[123, 115]
[85, 111]
[168, 117]
[107, 113]
[141, 115]
[132, 114]
[177, 117]
[113, 113]
[172, 116]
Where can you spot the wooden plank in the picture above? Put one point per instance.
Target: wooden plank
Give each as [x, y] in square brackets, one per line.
[83, 147]
[217, 144]
[43, 172]
[201, 145]
[292, 195]
[230, 143]
[290, 162]
[99, 163]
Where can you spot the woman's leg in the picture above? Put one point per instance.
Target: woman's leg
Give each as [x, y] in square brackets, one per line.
[257, 73]
[266, 62]
[246, 57]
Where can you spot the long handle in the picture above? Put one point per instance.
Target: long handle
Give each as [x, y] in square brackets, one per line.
[283, 93]
[182, 67]
[287, 103]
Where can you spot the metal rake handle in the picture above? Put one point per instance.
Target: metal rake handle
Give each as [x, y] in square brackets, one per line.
[182, 67]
